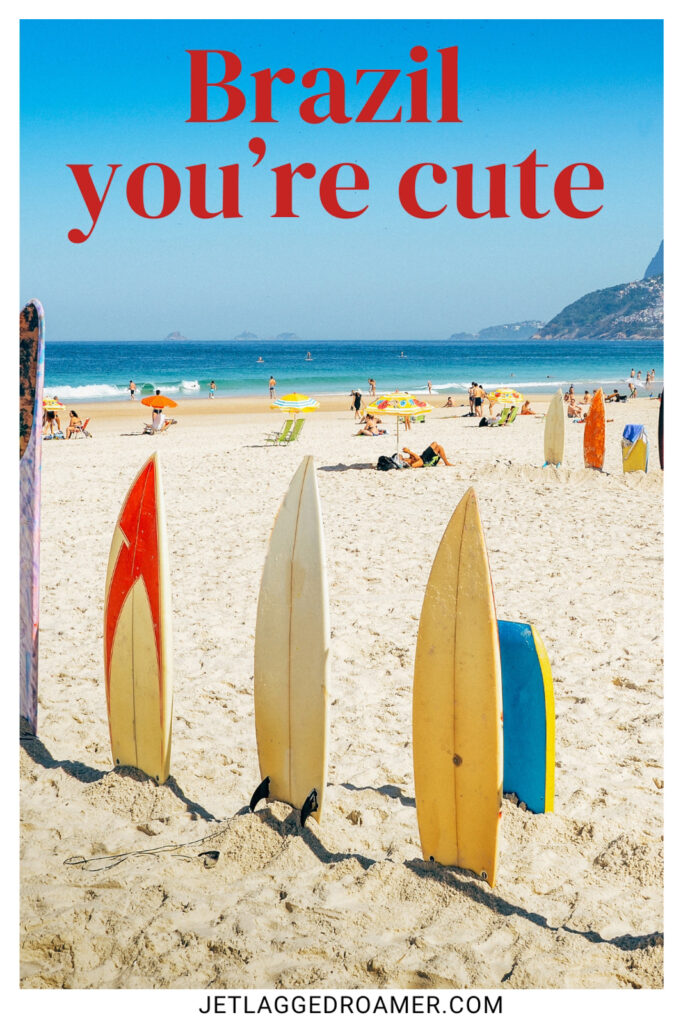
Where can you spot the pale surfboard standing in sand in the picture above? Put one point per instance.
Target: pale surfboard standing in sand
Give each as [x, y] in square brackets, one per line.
[291, 653]
[31, 375]
[137, 630]
[553, 432]
[457, 703]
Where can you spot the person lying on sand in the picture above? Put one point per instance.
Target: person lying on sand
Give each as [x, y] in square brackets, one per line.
[370, 429]
[430, 456]
[527, 410]
[614, 397]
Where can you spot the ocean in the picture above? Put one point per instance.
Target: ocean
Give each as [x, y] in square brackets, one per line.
[99, 370]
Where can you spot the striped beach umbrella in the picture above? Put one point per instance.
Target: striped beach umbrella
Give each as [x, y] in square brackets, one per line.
[295, 403]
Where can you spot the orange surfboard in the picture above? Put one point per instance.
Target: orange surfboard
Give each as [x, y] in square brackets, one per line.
[137, 630]
[594, 433]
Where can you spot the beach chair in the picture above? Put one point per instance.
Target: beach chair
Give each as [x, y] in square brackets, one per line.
[511, 418]
[296, 430]
[503, 418]
[81, 431]
[278, 436]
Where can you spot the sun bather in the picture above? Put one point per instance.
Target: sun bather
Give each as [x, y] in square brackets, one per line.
[430, 456]
[75, 423]
[527, 410]
[574, 411]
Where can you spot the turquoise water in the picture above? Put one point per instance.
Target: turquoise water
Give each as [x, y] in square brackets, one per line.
[95, 370]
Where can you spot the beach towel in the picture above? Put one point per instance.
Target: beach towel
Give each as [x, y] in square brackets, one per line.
[633, 432]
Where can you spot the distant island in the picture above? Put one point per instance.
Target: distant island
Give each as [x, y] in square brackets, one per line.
[520, 331]
[175, 336]
[245, 336]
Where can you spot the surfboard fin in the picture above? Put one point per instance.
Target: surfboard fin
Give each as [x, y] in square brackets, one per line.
[310, 805]
[261, 792]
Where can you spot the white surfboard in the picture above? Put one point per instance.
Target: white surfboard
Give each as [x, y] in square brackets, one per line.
[553, 437]
[291, 653]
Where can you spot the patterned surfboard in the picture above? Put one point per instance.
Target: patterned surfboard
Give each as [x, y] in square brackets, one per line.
[31, 376]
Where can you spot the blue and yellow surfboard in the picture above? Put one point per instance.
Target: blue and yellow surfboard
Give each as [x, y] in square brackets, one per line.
[528, 716]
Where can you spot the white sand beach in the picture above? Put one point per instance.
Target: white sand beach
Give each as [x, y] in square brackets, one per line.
[347, 903]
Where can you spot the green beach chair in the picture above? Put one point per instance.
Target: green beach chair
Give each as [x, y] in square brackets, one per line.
[277, 437]
[512, 417]
[296, 430]
[503, 418]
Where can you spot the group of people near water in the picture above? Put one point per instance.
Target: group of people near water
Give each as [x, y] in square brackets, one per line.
[51, 420]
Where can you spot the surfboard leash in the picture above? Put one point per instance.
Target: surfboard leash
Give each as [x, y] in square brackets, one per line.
[115, 859]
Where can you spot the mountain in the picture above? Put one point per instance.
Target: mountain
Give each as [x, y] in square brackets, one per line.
[175, 336]
[656, 264]
[521, 330]
[245, 336]
[634, 310]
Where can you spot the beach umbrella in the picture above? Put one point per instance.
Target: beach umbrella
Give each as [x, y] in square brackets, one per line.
[505, 396]
[399, 403]
[49, 404]
[159, 402]
[295, 403]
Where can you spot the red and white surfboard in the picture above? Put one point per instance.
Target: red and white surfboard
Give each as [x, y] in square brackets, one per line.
[137, 630]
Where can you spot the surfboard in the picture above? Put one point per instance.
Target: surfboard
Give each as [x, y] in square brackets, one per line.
[635, 455]
[457, 703]
[594, 433]
[528, 716]
[553, 434]
[291, 653]
[660, 431]
[31, 376]
[137, 630]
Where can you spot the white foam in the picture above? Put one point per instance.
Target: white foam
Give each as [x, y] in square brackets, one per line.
[86, 391]
[189, 385]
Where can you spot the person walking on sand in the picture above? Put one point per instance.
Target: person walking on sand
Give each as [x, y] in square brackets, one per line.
[429, 386]
[131, 388]
[212, 389]
[271, 386]
[356, 395]
[373, 386]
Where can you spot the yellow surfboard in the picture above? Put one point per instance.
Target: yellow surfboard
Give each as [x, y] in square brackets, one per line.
[137, 630]
[457, 703]
[553, 434]
[291, 653]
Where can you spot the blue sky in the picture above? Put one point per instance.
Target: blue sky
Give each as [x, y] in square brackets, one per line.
[106, 92]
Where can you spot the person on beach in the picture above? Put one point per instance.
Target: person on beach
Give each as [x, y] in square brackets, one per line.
[157, 392]
[638, 375]
[271, 387]
[373, 386]
[430, 456]
[574, 411]
[632, 388]
[527, 410]
[448, 404]
[614, 397]
[356, 395]
[586, 397]
[371, 428]
[429, 386]
[49, 421]
[131, 388]
[212, 389]
[479, 395]
[566, 396]
[471, 397]
[75, 423]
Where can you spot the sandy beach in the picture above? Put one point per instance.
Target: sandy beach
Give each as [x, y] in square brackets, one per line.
[347, 903]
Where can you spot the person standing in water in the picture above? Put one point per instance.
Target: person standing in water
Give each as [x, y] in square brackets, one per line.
[429, 386]
[131, 388]
[271, 386]
[212, 389]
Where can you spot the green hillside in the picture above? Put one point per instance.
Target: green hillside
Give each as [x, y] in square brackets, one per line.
[633, 310]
